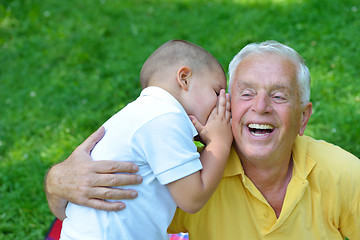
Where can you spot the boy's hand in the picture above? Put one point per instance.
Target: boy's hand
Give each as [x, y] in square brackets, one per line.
[192, 192]
[218, 126]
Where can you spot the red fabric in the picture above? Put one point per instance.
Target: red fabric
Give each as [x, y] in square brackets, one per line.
[55, 230]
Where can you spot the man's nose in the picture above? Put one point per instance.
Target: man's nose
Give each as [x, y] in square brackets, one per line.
[262, 103]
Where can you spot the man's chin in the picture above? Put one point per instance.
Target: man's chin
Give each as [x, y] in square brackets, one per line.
[255, 153]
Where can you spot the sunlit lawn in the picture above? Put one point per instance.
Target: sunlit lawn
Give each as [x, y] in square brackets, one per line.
[66, 66]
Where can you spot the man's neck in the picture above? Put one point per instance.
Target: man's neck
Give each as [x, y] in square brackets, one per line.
[271, 180]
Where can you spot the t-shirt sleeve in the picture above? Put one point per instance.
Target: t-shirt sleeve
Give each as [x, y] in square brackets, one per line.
[350, 196]
[166, 142]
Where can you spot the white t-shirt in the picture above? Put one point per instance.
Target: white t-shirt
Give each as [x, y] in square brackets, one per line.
[154, 132]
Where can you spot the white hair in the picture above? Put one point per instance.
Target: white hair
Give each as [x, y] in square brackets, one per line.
[303, 74]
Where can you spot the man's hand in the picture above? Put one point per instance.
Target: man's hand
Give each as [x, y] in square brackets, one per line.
[82, 181]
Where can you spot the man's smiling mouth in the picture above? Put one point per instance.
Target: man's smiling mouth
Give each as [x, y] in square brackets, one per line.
[260, 129]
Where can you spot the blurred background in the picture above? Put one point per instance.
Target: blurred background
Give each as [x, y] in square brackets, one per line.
[67, 66]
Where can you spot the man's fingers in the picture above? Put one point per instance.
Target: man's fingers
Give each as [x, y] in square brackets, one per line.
[93, 139]
[104, 205]
[112, 193]
[114, 167]
[115, 180]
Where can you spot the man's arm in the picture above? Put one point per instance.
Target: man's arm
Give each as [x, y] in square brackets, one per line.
[82, 181]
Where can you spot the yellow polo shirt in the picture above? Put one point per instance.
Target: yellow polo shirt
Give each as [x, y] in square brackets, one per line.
[322, 201]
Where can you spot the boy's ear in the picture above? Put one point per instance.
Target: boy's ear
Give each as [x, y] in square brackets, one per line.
[183, 77]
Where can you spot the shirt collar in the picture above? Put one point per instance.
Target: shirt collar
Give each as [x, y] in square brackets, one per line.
[233, 166]
[303, 164]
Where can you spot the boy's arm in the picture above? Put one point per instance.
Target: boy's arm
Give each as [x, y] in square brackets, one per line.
[80, 180]
[192, 192]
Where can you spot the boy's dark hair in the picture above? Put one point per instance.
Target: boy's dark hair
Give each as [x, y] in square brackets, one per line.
[176, 52]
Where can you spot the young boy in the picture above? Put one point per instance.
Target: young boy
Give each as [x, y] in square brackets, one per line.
[183, 96]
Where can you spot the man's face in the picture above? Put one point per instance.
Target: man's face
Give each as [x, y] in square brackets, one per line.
[265, 105]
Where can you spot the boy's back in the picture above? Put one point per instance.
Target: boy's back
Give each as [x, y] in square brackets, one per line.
[154, 132]
[181, 81]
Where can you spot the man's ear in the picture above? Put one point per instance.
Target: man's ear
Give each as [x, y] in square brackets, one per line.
[183, 77]
[305, 117]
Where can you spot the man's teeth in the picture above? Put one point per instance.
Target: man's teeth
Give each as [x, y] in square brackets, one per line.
[260, 129]
[260, 126]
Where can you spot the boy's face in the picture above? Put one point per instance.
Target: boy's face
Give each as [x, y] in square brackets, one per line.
[203, 93]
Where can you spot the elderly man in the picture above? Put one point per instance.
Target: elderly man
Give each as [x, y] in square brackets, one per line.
[278, 184]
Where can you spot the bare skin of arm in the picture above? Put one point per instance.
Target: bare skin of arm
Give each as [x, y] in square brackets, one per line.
[82, 181]
[192, 192]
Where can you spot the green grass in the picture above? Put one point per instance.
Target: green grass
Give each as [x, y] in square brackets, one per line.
[65, 67]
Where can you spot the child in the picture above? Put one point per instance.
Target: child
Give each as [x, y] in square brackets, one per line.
[183, 92]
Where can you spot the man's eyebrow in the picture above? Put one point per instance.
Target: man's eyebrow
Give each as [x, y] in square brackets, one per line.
[240, 83]
[281, 87]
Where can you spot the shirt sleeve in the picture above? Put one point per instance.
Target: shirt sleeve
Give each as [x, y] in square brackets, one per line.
[350, 195]
[166, 142]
